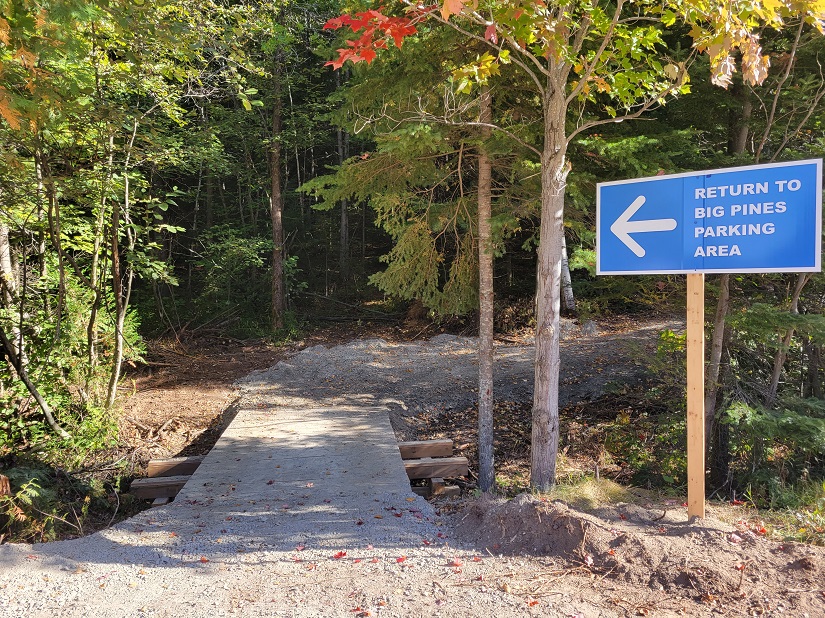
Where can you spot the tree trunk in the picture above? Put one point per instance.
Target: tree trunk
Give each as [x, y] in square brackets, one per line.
[782, 352]
[276, 208]
[121, 277]
[14, 359]
[545, 436]
[94, 273]
[343, 242]
[119, 292]
[566, 280]
[12, 296]
[740, 126]
[486, 460]
[813, 387]
[9, 276]
[715, 363]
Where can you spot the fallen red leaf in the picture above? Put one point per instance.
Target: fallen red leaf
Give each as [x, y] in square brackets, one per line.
[339, 555]
[204, 559]
[374, 560]
[270, 482]
[426, 542]
[401, 559]
[300, 547]
[357, 560]
[476, 558]
[455, 562]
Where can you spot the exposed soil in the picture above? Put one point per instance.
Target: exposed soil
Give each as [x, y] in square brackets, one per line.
[635, 557]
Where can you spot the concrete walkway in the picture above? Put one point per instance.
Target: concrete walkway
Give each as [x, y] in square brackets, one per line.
[312, 476]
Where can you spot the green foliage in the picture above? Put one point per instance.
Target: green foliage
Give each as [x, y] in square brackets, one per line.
[652, 446]
[766, 325]
[774, 450]
[47, 503]
[229, 256]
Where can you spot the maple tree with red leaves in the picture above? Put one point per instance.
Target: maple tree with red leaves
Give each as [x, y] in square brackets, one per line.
[377, 30]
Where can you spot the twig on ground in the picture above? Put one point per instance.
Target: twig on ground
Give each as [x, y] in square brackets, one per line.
[138, 424]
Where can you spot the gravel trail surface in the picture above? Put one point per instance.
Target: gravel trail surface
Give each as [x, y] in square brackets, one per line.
[303, 508]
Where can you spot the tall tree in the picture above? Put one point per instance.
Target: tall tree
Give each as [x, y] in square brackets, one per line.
[601, 61]
[486, 461]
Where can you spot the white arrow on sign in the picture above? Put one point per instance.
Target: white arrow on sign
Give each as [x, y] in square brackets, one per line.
[623, 227]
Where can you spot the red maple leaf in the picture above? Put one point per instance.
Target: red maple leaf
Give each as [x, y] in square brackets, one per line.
[490, 34]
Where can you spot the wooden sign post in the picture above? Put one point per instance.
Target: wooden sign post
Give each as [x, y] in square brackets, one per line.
[700, 222]
[696, 394]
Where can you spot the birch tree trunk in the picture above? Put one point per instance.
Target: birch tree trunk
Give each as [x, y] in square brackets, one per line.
[486, 459]
[545, 436]
[566, 280]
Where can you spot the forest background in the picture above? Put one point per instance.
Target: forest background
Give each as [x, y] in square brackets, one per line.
[179, 165]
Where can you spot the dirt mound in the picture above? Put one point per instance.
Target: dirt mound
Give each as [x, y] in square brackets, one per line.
[709, 562]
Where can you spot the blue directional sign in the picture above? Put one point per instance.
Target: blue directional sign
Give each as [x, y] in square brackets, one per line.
[760, 218]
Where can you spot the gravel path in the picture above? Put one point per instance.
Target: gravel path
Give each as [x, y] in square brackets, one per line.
[324, 538]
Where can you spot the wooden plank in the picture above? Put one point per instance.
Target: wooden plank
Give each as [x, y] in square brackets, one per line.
[450, 491]
[428, 467]
[160, 502]
[174, 466]
[424, 492]
[426, 448]
[437, 485]
[696, 394]
[161, 487]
